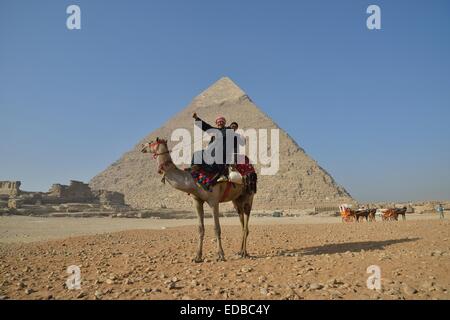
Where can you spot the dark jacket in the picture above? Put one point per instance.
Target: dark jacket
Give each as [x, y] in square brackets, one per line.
[206, 126]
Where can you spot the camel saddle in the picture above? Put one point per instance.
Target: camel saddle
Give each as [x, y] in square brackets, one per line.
[243, 173]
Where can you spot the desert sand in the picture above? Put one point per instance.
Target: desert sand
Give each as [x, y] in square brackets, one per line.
[29, 229]
[292, 258]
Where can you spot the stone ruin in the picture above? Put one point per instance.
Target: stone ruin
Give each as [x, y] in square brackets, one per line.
[110, 197]
[9, 188]
[75, 192]
[77, 197]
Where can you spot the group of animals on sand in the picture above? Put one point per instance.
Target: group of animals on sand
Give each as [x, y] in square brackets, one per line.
[390, 214]
[240, 195]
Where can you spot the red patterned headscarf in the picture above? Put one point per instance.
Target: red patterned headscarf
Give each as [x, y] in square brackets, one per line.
[220, 120]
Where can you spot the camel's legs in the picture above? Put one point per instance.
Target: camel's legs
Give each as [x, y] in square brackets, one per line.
[241, 218]
[240, 211]
[221, 255]
[201, 229]
[247, 209]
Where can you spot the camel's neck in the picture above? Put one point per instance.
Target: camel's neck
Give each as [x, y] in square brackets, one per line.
[177, 178]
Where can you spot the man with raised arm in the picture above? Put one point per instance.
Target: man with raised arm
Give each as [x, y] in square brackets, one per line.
[222, 128]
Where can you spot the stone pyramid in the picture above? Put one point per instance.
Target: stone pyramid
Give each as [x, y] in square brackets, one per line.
[300, 182]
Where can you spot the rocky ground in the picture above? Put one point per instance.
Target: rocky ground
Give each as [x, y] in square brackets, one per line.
[289, 261]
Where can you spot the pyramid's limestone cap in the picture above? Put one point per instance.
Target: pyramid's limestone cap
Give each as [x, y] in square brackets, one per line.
[222, 90]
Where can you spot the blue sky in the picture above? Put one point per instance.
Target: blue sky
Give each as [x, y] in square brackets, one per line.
[372, 107]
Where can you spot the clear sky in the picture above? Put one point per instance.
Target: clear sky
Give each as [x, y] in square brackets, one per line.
[372, 107]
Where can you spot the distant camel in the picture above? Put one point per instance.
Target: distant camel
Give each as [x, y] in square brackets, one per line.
[182, 180]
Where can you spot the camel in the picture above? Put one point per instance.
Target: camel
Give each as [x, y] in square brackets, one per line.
[183, 181]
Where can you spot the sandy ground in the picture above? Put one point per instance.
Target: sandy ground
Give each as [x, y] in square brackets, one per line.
[30, 229]
[292, 258]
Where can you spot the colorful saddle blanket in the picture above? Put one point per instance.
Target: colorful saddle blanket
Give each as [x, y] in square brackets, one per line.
[202, 178]
[245, 168]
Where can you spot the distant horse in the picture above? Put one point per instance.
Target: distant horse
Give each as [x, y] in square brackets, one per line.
[371, 215]
[389, 214]
[401, 212]
[361, 214]
[347, 214]
[393, 213]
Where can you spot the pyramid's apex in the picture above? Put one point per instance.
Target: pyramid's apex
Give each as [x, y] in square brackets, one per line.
[226, 81]
[222, 90]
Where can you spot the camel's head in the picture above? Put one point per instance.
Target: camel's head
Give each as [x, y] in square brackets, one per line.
[154, 147]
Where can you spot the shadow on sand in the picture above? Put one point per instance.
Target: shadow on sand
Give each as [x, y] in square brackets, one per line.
[346, 247]
[339, 248]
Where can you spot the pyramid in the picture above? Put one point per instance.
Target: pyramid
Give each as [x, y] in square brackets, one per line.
[299, 183]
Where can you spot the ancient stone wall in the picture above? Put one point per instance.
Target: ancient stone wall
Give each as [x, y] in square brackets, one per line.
[109, 197]
[57, 190]
[77, 198]
[76, 192]
[10, 188]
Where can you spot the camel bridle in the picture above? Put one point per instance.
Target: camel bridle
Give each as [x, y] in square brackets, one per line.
[154, 146]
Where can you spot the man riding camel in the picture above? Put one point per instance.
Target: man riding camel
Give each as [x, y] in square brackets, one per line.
[221, 167]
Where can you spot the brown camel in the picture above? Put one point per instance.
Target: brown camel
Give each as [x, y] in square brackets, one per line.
[183, 181]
